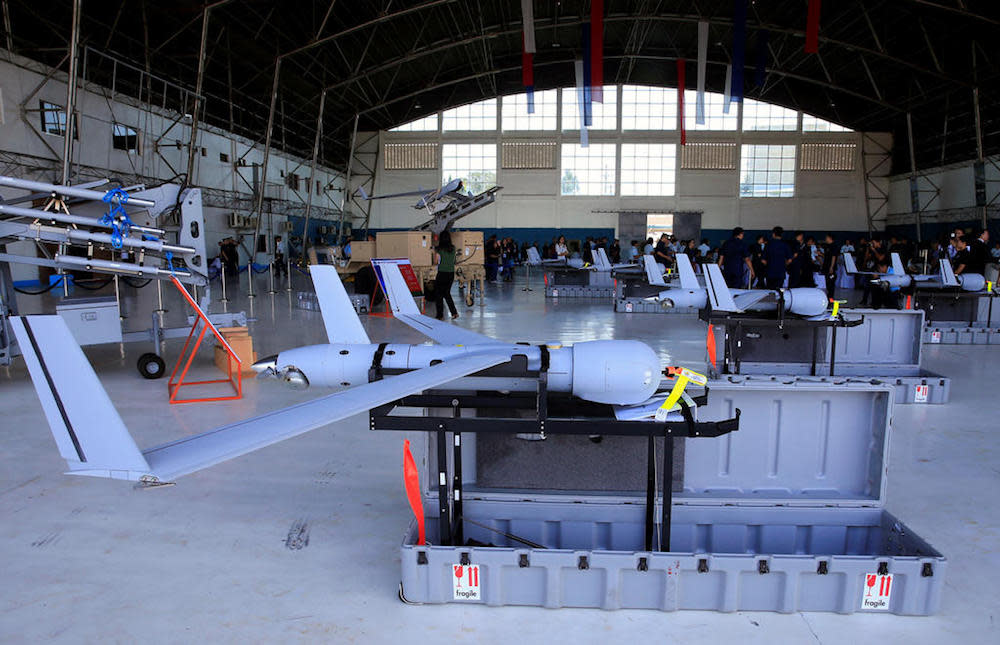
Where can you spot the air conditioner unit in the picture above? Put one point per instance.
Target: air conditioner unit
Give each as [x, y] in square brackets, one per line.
[287, 227]
[235, 221]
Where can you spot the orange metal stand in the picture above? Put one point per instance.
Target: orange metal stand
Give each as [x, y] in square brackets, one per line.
[202, 321]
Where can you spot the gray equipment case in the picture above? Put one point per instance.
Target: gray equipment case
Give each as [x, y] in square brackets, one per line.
[784, 515]
[885, 349]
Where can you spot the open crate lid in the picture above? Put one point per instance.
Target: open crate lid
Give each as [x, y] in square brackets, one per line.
[799, 444]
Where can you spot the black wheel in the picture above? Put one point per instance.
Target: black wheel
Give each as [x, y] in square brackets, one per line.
[151, 366]
[469, 299]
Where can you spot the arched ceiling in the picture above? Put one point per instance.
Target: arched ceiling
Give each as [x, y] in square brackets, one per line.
[392, 61]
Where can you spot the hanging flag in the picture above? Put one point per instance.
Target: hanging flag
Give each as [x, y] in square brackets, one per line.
[681, 69]
[762, 55]
[588, 95]
[739, 49]
[725, 92]
[584, 142]
[699, 112]
[812, 27]
[528, 78]
[528, 20]
[597, 50]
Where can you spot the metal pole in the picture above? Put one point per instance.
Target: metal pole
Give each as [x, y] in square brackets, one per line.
[312, 173]
[913, 175]
[222, 275]
[259, 204]
[71, 80]
[980, 176]
[288, 269]
[159, 298]
[10, 34]
[250, 294]
[270, 242]
[196, 106]
[347, 182]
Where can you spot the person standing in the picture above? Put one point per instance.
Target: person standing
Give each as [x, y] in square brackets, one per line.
[562, 251]
[230, 256]
[757, 261]
[830, 264]
[662, 253]
[445, 255]
[279, 257]
[492, 257]
[734, 258]
[979, 253]
[777, 256]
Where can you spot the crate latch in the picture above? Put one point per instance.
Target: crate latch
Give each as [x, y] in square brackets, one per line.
[823, 568]
[883, 568]
[421, 557]
[643, 564]
[762, 567]
[522, 561]
[464, 559]
[583, 563]
[927, 570]
[703, 565]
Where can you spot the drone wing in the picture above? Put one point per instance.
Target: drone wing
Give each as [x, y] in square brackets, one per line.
[94, 441]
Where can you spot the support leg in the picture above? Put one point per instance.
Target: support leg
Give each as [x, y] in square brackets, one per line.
[650, 490]
[668, 492]
[444, 516]
[456, 487]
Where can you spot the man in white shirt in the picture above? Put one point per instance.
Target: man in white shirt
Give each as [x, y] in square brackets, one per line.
[704, 247]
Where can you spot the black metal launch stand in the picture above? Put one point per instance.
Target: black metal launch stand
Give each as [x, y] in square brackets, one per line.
[737, 326]
[537, 413]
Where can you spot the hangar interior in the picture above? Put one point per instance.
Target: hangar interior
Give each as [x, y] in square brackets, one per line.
[246, 175]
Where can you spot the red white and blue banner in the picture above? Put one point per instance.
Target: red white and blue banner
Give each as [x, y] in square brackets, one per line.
[597, 50]
[528, 20]
[699, 111]
[739, 49]
[812, 27]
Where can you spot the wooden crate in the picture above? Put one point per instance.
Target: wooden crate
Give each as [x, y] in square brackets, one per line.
[241, 342]
[469, 246]
[415, 245]
[362, 251]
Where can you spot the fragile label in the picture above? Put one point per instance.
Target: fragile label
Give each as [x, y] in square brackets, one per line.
[920, 395]
[878, 589]
[555, 293]
[628, 307]
[466, 581]
[936, 336]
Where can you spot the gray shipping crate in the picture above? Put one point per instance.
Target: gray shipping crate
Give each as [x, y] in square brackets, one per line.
[885, 349]
[929, 388]
[784, 515]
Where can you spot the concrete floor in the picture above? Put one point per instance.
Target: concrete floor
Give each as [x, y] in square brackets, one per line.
[206, 560]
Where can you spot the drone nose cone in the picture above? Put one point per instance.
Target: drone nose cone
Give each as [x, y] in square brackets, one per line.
[266, 365]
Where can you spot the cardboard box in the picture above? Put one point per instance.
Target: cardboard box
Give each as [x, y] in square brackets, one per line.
[362, 251]
[469, 246]
[241, 342]
[415, 245]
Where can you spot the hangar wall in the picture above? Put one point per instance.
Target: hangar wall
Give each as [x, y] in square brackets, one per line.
[531, 205]
[947, 198]
[26, 151]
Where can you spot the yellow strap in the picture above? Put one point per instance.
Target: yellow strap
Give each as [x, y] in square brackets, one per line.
[684, 376]
[836, 308]
[989, 287]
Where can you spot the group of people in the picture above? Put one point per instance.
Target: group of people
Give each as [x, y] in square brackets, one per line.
[769, 262]
[502, 256]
